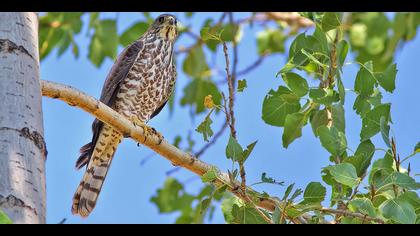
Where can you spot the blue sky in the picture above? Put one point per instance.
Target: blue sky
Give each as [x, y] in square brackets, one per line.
[125, 197]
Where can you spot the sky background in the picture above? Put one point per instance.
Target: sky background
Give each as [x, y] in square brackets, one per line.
[125, 196]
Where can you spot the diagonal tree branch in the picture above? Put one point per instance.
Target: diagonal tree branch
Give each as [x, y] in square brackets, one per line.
[74, 97]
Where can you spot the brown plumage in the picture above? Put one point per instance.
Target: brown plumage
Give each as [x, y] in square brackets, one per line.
[138, 86]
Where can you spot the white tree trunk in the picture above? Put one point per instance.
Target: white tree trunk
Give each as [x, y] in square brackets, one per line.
[22, 147]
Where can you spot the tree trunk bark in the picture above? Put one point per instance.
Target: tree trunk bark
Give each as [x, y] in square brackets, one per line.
[22, 146]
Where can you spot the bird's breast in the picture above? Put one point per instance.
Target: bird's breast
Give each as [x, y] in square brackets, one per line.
[147, 83]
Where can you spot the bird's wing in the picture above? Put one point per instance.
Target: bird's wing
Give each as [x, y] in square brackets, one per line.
[119, 71]
[109, 93]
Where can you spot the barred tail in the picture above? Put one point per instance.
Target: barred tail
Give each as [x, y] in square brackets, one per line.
[87, 193]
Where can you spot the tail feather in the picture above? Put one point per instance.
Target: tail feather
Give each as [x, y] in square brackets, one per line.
[87, 193]
[85, 153]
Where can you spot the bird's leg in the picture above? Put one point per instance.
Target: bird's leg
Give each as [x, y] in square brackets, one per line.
[146, 129]
[137, 122]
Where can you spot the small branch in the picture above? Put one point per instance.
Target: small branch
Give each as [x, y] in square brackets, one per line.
[229, 111]
[352, 214]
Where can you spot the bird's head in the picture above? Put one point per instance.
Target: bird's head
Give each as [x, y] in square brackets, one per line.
[166, 26]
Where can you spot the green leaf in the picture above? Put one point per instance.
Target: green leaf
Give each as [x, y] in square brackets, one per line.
[361, 106]
[65, 43]
[318, 118]
[234, 150]
[172, 197]
[324, 96]
[195, 64]
[278, 104]
[385, 130]
[248, 151]
[293, 128]
[366, 149]
[209, 176]
[330, 21]
[231, 32]
[362, 205]
[387, 78]
[296, 194]
[205, 129]
[375, 45]
[313, 59]
[322, 39]
[332, 139]
[342, 50]
[227, 32]
[246, 215]
[288, 191]
[4, 219]
[399, 211]
[314, 193]
[296, 83]
[399, 179]
[362, 157]
[104, 42]
[242, 85]
[270, 41]
[205, 33]
[133, 33]
[371, 122]
[337, 112]
[344, 173]
[197, 90]
[341, 90]
[286, 68]
[381, 168]
[227, 205]
[365, 80]
[296, 57]
[412, 198]
[204, 205]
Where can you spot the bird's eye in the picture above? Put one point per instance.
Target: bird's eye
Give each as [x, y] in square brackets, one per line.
[161, 19]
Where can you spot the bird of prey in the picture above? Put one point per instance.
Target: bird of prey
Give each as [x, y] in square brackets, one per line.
[138, 86]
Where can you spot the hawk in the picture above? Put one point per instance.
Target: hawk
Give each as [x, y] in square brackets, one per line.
[138, 86]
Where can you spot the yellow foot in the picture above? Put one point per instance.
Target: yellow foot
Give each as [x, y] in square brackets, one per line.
[146, 129]
[138, 123]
